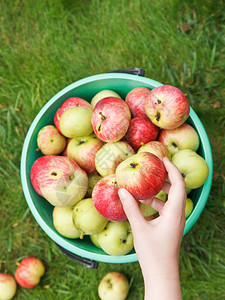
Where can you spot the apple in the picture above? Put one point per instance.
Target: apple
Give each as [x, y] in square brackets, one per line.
[7, 286]
[87, 219]
[76, 122]
[62, 182]
[116, 238]
[142, 175]
[113, 100]
[103, 94]
[157, 148]
[167, 107]
[136, 99]
[110, 156]
[188, 207]
[94, 239]
[106, 199]
[113, 285]
[63, 222]
[92, 181]
[183, 137]
[192, 166]
[50, 141]
[110, 121]
[36, 169]
[141, 131]
[83, 150]
[64, 153]
[29, 272]
[148, 211]
[68, 103]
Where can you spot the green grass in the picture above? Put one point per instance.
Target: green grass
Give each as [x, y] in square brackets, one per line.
[46, 45]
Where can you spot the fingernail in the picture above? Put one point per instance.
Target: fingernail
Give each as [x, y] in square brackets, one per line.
[122, 194]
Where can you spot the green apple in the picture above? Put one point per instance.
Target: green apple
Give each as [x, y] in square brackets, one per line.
[103, 94]
[147, 210]
[110, 156]
[92, 180]
[94, 239]
[113, 286]
[87, 219]
[76, 122]
[63, 222]
[116, 238]
[192, 166]
[83, 150]
[188, 207]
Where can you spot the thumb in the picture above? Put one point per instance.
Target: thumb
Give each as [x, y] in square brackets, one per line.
[131, 208]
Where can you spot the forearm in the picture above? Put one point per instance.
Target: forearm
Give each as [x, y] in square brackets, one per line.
[162, 282]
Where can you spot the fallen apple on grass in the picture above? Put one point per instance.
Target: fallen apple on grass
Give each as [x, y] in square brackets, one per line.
[7, 286]
[167, 107]
[113, 286]
[87, 219]
[50, 141]
[103, 94]
[29, 272]
[116, 238]
[63, 222]
[110, 156]
[142, 175]
[83, 150]
[106, 199]
[183, 137]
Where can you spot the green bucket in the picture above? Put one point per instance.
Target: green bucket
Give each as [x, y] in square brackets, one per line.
[42, 211]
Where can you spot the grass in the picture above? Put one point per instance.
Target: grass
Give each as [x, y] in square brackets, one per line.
[47, 45]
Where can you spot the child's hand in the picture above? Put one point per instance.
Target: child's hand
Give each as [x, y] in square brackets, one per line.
[157, 242]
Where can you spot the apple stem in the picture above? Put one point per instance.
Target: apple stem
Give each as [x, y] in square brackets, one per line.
[102, 116]
[157, 117]
[81, 235]
[133, 165]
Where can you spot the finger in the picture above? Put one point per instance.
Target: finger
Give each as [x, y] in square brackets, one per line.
[131, 208]
[155, 203]
[177, 191]
[166, 187]
[174, 174]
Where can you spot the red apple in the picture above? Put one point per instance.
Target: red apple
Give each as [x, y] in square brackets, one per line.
[142, 175]
[83, 150]
[141, 131]
[36, 169]
[50, 141]
[62, 182]
[110, 121]
[113, 100]
[7, 286]
[29, 272]
[167, 107]
[106, 200]
[157, 148]
[136, 99]
[70, 102]
[183, 137]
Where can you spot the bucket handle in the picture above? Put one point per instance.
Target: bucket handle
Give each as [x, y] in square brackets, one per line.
[134, 71]
[91, 264]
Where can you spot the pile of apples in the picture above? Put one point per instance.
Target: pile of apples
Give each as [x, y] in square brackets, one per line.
[95, 149]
